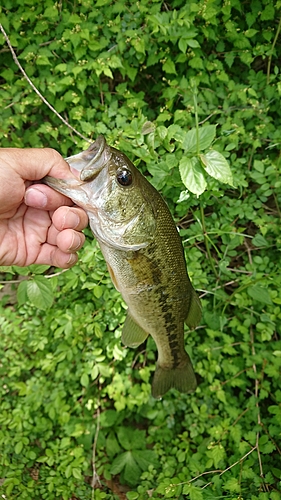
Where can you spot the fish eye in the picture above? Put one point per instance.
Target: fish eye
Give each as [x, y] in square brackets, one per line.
[124, 176]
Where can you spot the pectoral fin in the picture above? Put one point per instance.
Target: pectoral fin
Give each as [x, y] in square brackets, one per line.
[195, 311]
[132, 335]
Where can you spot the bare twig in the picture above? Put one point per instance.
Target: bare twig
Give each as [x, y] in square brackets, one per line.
[36, 90]
[271, 52]
[95, 479]
[257, 401]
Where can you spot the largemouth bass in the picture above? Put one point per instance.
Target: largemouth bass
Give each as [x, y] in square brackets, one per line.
[144, 256]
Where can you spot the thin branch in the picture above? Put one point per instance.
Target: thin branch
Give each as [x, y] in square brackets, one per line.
[95, 478]
[272, 48]
[35, 89]
[256, 397]
[239, 461]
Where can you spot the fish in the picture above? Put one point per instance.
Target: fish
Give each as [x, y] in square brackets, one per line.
[144, 255]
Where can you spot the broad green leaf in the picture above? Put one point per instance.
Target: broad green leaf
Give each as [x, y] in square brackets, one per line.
[194, 492]
[119, 463]
[189, 142]
[259, 293]
[206, 136]
[125, 437]
[108, 418]
[169, 67]
[132, 471]
[145, 458]
[112, 446]
[38, 268]
[217, 166]
[84, 380]
[147, 128]
[22, 292]
[40, 292]
[192, 175]
[192, 43]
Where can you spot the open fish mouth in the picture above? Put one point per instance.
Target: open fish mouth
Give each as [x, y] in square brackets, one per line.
[90, 162]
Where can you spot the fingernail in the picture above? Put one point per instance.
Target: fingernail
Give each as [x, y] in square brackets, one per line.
[35, 198]
[71, 219]
[76, 243]
[72, 259]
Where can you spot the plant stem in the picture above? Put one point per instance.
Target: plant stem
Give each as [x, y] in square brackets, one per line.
[206, 241]
[272, 48]
[194, 94]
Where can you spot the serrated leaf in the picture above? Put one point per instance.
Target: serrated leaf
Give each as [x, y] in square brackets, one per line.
[132, 471]
[194, 492]
[192, 175]
[260, 294]
[108, 418]
[217, 166]
[40, 292]
[145, 458]
[119, 463]
[124, 436]
[38, 268]
[206, 136]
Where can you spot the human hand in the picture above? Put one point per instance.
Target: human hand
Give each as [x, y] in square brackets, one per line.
[37, 224]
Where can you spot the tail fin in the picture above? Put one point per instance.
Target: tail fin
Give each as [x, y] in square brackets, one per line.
[181, 378]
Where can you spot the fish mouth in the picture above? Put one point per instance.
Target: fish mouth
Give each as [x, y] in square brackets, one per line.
[91, 161]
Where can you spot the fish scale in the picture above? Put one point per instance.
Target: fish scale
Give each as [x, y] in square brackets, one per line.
[144, 255]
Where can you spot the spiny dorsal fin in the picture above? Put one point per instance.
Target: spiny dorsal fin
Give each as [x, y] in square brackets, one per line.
[132, 334]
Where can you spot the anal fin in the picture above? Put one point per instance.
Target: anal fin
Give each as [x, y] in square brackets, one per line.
[195, 311]
[132, 334]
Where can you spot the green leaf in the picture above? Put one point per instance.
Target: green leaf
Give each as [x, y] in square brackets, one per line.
[40, 292]
[260, 294]
[192, 175]
[194, 492]
[145, 458]
[217, 166]
[84, 380]
[22, 293]
[132, 471]
[119, 463]
[77, 473]
[18, 447]
[192, 43]
[147, 128]
[206, 136]
[132, 495]
[108, 418]
[259, 241]
[169, 67]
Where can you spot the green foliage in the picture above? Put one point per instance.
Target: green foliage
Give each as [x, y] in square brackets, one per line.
[185, 89]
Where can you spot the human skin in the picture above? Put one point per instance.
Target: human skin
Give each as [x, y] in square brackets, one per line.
[37, 224]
